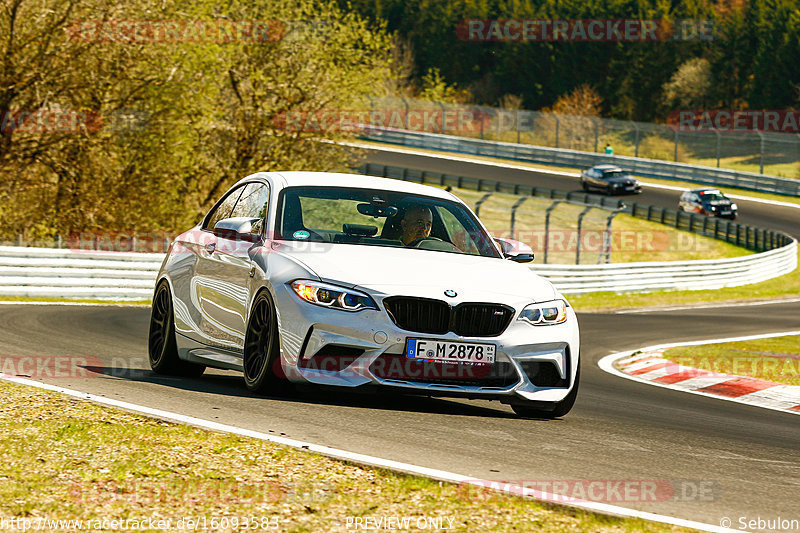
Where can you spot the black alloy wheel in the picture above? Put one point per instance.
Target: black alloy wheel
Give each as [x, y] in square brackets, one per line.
[161, 345]
[261, 356]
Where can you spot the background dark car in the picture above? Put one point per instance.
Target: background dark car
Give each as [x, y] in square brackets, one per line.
[709, 202]
[610, 179]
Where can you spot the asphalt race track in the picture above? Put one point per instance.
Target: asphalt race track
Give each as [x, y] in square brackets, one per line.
[745, 456]
[745, 460]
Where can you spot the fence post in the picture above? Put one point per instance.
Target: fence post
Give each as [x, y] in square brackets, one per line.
[596, 133]
[405, 103]
[676, 145]
[607, 237]
[514, 213]
[636, 149]
[557, 121]
[578, 243]
[517, 119]
[479, 202]
[719, 143]
[761, 152]
[547, 226]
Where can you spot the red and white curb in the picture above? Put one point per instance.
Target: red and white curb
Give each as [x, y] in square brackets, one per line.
[648, 365]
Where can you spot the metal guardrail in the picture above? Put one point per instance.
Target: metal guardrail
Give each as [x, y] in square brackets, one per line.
[577, 159]
[42, 272]
[54, 273]
[58, 273]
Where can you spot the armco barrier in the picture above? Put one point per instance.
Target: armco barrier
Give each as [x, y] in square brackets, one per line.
[43, 272]
[54, 273]
[577, 159]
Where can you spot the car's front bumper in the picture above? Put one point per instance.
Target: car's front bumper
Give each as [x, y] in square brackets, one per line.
[338, 348]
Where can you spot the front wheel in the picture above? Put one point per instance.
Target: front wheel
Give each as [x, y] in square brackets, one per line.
[262, 348]
[559, 408]
[161, 345]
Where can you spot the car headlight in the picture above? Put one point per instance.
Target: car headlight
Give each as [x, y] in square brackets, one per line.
[734, 207]
[327, 295]
[545, 313]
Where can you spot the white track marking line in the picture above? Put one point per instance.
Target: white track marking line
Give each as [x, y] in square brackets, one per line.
[461, 159]
[706, 306]
[607, 364]
[440, 475]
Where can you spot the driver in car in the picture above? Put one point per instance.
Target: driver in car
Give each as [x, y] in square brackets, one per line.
[416, 224]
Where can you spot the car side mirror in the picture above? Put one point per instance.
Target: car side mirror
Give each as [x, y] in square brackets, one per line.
[239, 228]
[516, 251]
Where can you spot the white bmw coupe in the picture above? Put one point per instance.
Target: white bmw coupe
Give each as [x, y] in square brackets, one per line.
[353, 281]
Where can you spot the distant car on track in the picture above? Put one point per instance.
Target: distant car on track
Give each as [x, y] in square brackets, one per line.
[610, 179]
[708, 201]
[301, 277]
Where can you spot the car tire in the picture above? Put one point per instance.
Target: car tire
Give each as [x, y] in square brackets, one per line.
[557, 409]
[262, 349]
[610, 190]
[161, 345]
[585, 186]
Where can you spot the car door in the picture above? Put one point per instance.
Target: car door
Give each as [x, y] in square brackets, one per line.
[190, 287]
[224, 272]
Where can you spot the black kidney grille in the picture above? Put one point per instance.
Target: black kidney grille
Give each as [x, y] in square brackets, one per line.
[481, 320]
[419, 314]
[424, 315]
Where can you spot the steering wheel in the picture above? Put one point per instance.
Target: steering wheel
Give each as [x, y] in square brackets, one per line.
[416, 242]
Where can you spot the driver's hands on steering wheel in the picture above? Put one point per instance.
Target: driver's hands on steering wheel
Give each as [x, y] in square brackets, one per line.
[416, 242]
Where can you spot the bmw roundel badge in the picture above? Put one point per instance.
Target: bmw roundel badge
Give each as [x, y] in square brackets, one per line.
[451, 293]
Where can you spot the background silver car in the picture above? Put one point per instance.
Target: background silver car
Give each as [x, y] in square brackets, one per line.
[301, 277]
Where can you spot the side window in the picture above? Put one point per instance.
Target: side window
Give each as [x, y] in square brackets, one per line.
[223, 210]
[253, 204]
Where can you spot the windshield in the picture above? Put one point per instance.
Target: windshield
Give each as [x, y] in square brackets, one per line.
[712, 196]
[614, 174]
[344, 215]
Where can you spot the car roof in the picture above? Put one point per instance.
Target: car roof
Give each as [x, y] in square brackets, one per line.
[340, 179]
[707, 189]
[607, 167]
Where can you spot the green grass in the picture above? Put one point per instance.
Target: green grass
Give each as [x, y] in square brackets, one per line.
[70, 459]
[632, 239]
[775, 359]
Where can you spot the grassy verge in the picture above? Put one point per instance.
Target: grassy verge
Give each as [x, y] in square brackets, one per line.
[632, 239]
[774, 359]
[783, 287]
[69, 459]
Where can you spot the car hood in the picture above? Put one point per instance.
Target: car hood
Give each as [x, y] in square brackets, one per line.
[624, 180]
[416, 272]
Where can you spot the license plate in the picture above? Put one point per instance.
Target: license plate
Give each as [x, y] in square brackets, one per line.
[452, 352]
[725, 213]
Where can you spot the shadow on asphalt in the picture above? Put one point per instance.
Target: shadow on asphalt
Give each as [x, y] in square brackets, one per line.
[231, 384]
